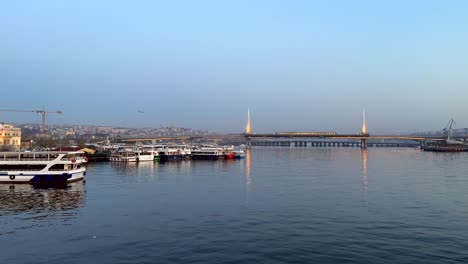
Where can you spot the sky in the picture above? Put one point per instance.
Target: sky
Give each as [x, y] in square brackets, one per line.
[298, 65]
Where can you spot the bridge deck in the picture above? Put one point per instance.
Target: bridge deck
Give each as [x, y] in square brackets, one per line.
[255, 135]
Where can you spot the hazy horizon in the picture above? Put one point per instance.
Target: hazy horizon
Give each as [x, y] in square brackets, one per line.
[302, 65]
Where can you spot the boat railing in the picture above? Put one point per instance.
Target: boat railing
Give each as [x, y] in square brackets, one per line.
[71, 159]
[39, 159]
[24, 170]
[26, 159]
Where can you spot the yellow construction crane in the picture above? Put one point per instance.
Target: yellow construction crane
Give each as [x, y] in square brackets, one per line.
[42, 112]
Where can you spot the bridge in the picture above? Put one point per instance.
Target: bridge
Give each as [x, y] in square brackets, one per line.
[345, 136]
[338, 140]
[303, 139]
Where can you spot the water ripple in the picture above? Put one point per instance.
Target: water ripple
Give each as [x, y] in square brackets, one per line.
[278, 206]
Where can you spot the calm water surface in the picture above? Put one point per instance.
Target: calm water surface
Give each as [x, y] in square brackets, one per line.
[276, 206]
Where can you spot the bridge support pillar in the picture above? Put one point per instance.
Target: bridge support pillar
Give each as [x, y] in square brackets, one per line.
[248, 143]
[363, 144]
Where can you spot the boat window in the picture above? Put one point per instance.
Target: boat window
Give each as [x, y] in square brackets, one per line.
[27, 156]
[18, 167]
[57, 167]
[10, 155]
[40, 156]
[53, 156]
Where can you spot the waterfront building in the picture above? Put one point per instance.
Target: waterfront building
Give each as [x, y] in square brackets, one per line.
[10, 136]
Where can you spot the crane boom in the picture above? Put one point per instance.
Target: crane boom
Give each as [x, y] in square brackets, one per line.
[447, 131]
[42, 112]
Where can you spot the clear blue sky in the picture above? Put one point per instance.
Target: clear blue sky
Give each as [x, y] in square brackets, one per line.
[298, 65]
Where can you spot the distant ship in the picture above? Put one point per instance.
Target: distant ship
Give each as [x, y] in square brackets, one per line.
[209, 152]
[447, 146]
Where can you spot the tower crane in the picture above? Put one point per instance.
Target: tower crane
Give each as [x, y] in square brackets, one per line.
[42, 112]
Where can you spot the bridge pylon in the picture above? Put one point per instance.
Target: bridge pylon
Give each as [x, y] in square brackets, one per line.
[363, 130]
[248, 140]
[363, 143]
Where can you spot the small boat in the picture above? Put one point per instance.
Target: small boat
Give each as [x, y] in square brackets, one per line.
[207, 153]
[151, 149]
[239, 154]
[228, 152]
[123, 156]
[229, 155]
[185, 150]
[42, 167]
[142, 155]
[168, 153]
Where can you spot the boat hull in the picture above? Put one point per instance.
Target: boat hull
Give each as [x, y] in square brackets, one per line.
[163, 157]
[229, 156]
[239, 156]
[145, 158]
[133, 159]
[37, 177]
[206, 157]
[446, 148]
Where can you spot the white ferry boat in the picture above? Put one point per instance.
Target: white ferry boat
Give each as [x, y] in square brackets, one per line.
[170, 152]
[42, 167]
[152, 150]
[123, 156]
[207, 153]
[142, 155]
[185, 150]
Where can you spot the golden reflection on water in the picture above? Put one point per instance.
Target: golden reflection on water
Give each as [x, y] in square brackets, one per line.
[248, 179]
[365, 181]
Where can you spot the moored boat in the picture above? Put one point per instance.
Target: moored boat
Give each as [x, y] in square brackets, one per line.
[123, 156]
[239, 154]
[228, 152]
[151, 149]
[207, 153]
[142, 155]
[168, 153]
[42, 167]
[444, 147]
[229, 155]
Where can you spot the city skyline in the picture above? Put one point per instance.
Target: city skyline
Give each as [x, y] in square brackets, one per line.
[306, 66]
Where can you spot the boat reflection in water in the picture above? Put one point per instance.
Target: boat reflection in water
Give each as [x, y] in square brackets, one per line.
[40, 199]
